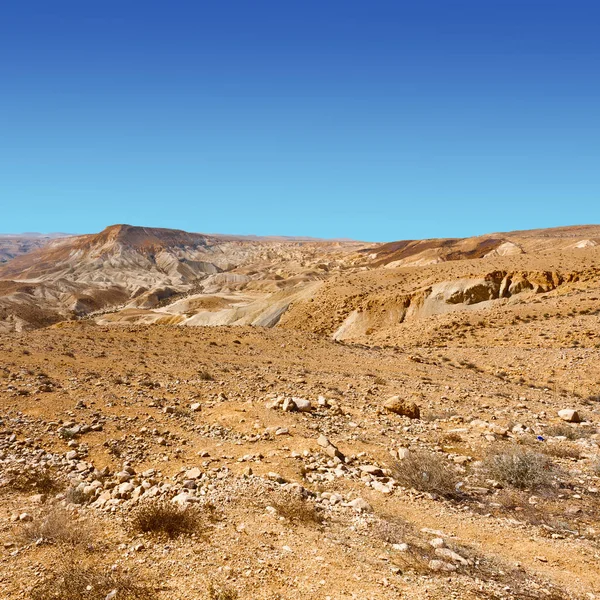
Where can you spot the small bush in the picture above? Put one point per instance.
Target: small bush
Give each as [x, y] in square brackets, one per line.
[162, 517]
[297, 509]
[75, 496]
[33, 480]
[218, 591]
[426, 472]
[73, 579]
[571, 433]
[562, 450]
[57, 527]
[391, 531]
[205, 376]
[519, 468]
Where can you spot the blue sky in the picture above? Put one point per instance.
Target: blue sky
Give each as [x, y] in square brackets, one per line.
[376, 120]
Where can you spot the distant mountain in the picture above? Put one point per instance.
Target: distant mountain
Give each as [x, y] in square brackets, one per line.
[130, 274]
[82, 274]
[16, 244]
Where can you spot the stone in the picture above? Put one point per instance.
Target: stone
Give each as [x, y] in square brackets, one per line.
[275, 403]
[371, 470]
[569, 415]
[451, 555]
[403, 547]
[360, 505]
[302, 405]
[193, 473]
[404, 408]
[275, 477]
[323, 441]
[332, 451]
[125, 489]
[195, 407]
[440, 565]
[289, 405]
[182, 498]
[403, 453]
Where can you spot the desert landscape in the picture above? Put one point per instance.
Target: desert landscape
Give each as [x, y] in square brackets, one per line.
[200, 416]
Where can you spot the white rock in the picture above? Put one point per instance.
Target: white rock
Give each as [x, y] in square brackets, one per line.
[570, 415]
[303, 405]
[360, 505]
[193, 473]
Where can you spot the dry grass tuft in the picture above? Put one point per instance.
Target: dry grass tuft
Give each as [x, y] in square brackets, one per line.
[569, 431]
[220, 591]
[296, 508]
[427, 472]
[76, 579]
[519, 468]
[162, 517]
[564, 450]
[58, 527]
[32, 480]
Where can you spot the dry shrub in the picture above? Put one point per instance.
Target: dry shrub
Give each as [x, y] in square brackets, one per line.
[32, 480]
[450, 438]
[519, 468]
[517, 502]
[426, 472]
[569, 431]
[395, 530]
[75, 496]
[162, 517]
[58, 527]
[392, 531]
[565, 450]
[294, 507]
[76, 579]
[220, 591]
[205, 376]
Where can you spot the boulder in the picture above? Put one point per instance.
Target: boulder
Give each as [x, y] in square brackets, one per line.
[405, 408]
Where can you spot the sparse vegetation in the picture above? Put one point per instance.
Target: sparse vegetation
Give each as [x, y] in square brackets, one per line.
[58, 527]
[569, 431]
[162, 517]
[221, 591]
[295, 508]
[81, 579]
[32, 480]
[520, 468]
[427, 472]
[564, 450]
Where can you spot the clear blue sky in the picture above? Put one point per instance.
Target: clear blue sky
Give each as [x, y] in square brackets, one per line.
[376, 120]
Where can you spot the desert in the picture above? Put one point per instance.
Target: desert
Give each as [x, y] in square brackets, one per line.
[260, 418]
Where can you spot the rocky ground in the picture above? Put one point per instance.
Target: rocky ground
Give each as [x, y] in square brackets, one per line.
[434, 464]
